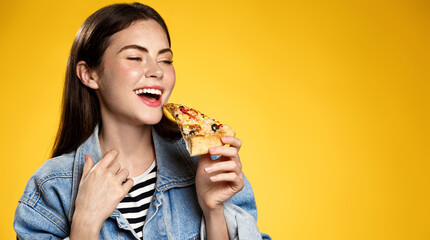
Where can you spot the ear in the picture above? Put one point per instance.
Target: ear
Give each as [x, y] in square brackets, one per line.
[88, 76]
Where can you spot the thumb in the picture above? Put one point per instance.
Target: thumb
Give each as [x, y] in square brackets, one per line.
[89, 164]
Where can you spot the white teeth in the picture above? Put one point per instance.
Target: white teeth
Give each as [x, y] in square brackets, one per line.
[148, 90]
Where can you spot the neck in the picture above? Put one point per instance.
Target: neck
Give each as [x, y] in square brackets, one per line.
[134, 143]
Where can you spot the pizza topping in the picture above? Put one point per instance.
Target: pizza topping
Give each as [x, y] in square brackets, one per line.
[191, 121]
[191, 113]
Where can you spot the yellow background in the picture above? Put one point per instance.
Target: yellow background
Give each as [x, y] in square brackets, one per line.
[330, 98]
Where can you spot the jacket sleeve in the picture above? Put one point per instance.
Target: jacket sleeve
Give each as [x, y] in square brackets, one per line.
[241, 216]
[31, 224]
[43, 208]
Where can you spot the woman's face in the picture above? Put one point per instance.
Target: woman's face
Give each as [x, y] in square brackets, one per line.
[137, 75]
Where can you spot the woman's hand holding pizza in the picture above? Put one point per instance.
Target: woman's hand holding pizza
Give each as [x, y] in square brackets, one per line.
[218, 180]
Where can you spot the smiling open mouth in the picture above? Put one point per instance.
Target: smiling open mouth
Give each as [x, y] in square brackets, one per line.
[149, 94]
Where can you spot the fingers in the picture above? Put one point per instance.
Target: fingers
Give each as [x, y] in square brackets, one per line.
[89, 164]
[122, 175]
[107, 161]
[225, 166]
[227, 177]
[235, 180]
[230, 161]
[127, 185]
[114, 167]
[230, 150]
[107, 164]
[230, 171]
[225, 151]
[234, 142]
[108, 158]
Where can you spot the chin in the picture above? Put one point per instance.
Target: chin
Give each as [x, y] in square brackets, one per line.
[152, 120]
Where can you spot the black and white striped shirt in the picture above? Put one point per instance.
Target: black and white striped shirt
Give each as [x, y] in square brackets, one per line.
[135, 204]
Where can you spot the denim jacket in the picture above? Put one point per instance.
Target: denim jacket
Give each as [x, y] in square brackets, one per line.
[45, 210]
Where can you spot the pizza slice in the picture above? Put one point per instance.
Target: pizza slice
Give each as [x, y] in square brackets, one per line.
[199, 131]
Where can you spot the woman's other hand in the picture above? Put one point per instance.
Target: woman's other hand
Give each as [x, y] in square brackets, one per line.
[101, 188]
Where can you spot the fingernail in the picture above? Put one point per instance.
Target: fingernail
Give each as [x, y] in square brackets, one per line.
[208, 169]
[213, 178]
[215, 157]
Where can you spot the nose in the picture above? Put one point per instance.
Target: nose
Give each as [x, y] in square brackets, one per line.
[153, 70]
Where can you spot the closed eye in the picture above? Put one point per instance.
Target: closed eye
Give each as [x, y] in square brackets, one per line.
[167, 61]
[135, 58]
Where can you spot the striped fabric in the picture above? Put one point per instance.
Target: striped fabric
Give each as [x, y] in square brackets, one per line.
[135, 205]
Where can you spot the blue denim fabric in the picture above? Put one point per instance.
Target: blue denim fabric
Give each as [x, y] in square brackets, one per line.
[45, 210]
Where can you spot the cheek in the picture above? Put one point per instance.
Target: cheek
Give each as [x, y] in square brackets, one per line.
[120, 70]
[116, 77]
[170, 77]
[169, 82]
[127, 71]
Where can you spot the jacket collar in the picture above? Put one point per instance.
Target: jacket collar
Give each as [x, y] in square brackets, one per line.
[174, 164]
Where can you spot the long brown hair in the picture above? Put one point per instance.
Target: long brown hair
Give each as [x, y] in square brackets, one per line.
[80, 107]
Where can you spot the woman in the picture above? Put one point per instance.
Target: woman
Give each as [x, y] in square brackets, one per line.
[119, 170]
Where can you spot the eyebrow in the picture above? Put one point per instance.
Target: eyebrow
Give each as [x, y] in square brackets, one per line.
[142, 49]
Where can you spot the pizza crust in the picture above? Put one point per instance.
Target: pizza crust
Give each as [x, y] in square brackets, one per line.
[199, 145]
